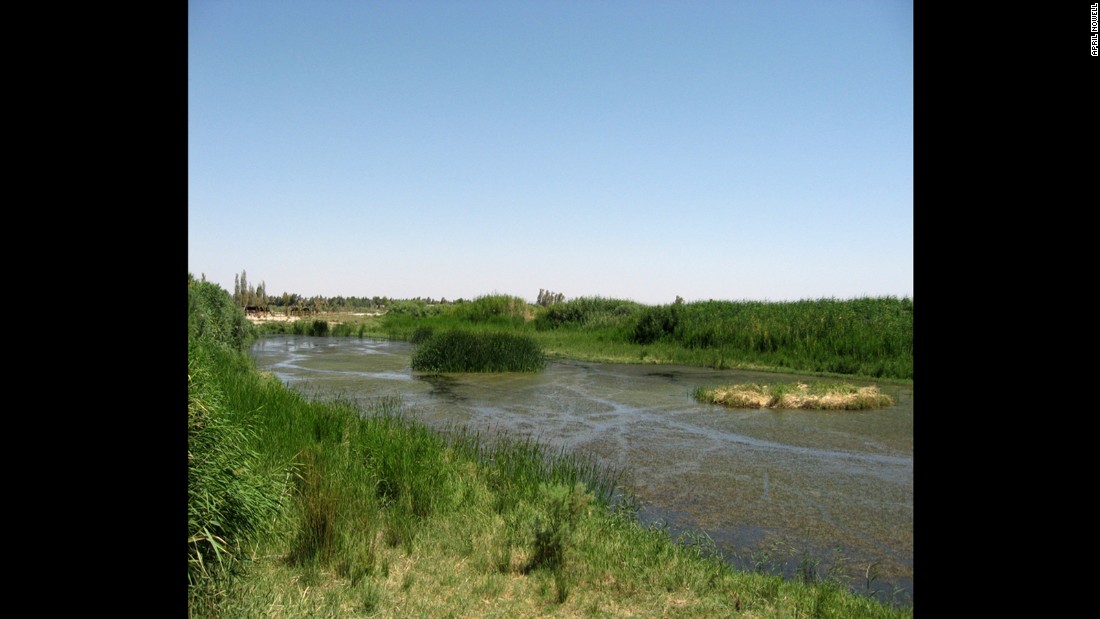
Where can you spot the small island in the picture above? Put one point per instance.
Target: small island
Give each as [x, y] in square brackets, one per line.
[821, 396]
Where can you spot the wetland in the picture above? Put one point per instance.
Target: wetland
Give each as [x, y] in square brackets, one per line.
[790, 491]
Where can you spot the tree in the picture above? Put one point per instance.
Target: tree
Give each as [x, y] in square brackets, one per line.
[547, 298]
[245, 299]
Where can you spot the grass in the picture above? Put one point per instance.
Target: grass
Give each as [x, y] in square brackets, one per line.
[862, 338]
[817, 395]
[392, 519]
[865, 337]
[230, 499]
[468, 351]
[348, 510]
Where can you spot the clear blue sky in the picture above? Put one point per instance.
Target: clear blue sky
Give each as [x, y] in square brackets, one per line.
[737, 149]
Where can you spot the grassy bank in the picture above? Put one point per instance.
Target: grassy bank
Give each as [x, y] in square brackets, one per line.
[302, 508]
[864, 338]
[867, 337]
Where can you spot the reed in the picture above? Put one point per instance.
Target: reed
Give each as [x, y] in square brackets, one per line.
[505, 310]
[467, 351]
[588, 313]
[213, 317]
[865, 337]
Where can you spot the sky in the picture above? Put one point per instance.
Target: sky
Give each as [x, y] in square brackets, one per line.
[641, 150]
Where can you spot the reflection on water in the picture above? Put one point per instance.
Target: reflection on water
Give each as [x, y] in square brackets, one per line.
[791, 491]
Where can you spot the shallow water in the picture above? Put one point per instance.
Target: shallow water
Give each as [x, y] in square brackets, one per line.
[793, 491]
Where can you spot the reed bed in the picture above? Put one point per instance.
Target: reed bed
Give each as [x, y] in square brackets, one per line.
[589, 313]
[318, 327]
[866, 337]
[467, 351]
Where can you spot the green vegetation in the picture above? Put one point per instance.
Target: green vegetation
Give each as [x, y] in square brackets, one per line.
[230, 496]
[867, 337]
[213, 319]
[317, 327]
[818, 395]
[465, 351]
[301, 508]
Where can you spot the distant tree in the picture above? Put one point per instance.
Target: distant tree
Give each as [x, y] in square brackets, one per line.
[547, 298]
[244, 300]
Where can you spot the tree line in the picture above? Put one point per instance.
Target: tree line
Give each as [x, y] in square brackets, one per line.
[246, 295]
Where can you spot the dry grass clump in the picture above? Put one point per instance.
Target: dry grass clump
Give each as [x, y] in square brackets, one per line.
[818, 396]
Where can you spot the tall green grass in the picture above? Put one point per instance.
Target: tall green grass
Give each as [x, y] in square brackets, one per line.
[864, 337]
[213, 317]
[589, 313]
[316, 327]
[499, 309]
[230, 497]
[486, 313]
[867, 337]
[466, 351]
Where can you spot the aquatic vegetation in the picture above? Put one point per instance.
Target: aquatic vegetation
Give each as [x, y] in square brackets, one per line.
[822, 396]
[468, 351]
